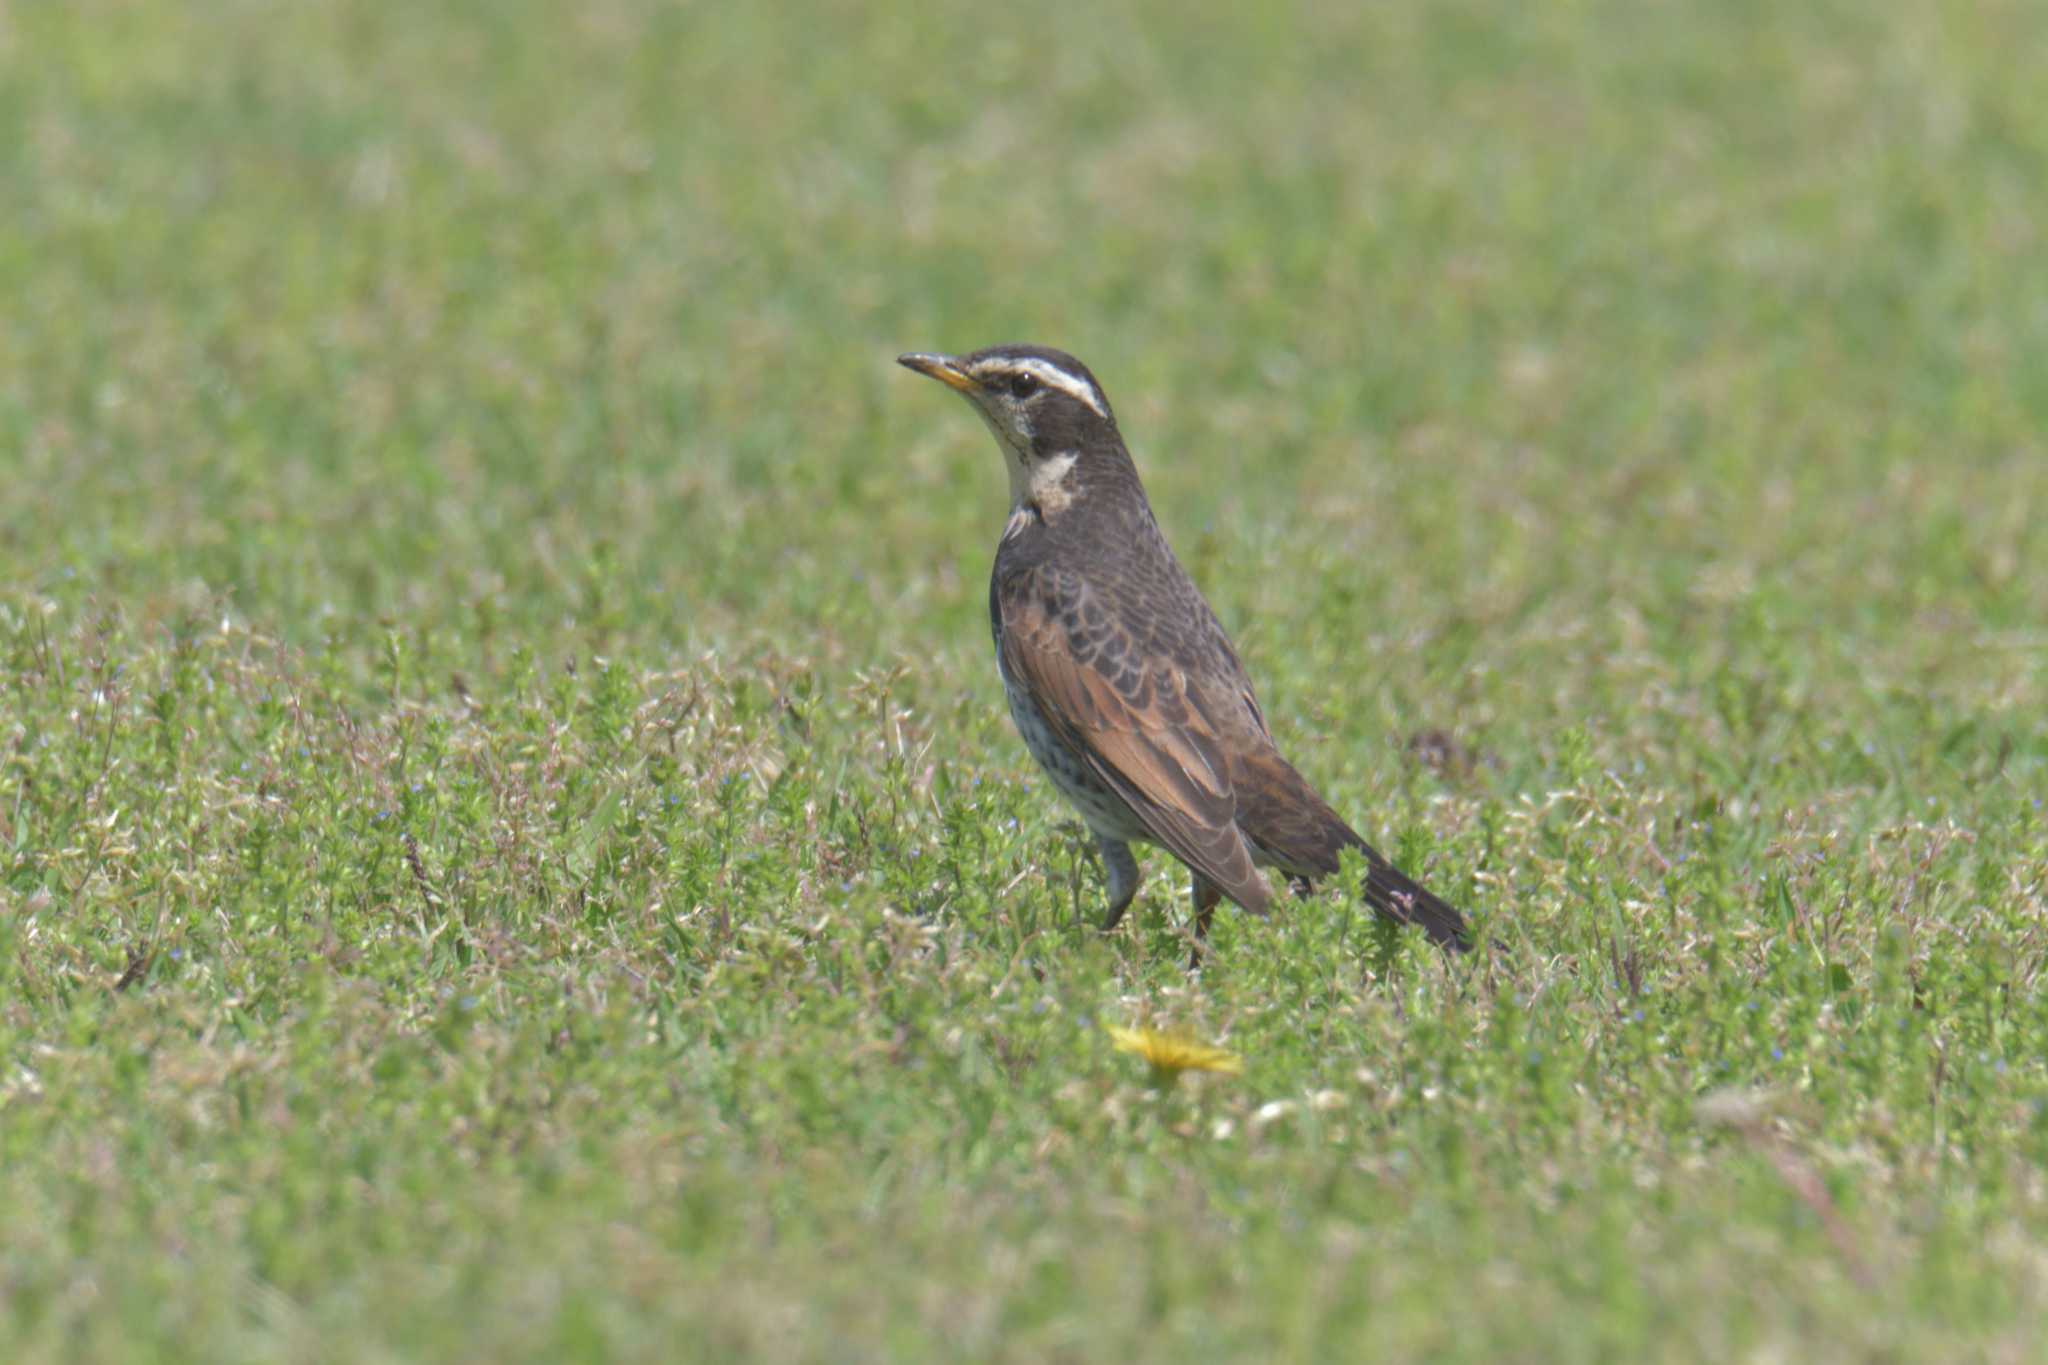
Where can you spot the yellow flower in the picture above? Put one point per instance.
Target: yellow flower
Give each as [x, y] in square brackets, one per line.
[1172, 1053]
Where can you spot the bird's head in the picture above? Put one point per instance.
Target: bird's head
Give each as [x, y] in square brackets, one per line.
[1046, 410]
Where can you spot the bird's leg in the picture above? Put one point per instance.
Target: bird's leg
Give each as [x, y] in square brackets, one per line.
[1206, 894]
[1123, 877]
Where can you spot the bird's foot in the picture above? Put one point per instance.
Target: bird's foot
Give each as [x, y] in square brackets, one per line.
[1122, 868]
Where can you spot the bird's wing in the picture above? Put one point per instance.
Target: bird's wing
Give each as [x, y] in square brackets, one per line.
[1135, 721]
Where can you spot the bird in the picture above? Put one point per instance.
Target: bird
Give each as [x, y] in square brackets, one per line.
[1121, 681]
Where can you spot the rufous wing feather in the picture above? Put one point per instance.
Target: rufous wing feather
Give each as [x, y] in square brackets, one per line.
[1136, 727]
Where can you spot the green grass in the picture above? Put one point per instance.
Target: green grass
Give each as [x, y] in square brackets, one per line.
[510, 848]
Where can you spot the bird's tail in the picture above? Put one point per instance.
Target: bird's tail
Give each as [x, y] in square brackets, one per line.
[1394, 894]
[1295, 830]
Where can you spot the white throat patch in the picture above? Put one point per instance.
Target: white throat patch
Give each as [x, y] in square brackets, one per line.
[1048, 481]
[1039, 483]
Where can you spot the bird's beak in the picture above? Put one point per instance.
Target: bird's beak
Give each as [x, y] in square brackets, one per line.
[943, 368]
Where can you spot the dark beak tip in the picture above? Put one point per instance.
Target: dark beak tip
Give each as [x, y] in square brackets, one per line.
[943, 368]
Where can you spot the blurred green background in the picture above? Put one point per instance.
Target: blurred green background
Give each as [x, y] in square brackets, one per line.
[495, 670]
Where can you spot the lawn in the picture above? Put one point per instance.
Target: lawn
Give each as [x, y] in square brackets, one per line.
[511, 848]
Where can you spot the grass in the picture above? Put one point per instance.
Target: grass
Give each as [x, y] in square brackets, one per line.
[510, 848]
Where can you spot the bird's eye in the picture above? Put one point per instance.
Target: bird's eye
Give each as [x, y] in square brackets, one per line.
[1023, 385]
